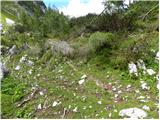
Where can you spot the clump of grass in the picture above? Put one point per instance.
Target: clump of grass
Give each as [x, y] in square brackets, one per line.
[46, 57]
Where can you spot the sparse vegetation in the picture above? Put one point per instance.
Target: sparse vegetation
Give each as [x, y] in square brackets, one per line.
[78, 68]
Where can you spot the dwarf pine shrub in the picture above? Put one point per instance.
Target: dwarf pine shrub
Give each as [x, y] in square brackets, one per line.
[99, 39]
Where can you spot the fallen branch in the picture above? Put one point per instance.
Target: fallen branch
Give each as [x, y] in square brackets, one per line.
[28, 98]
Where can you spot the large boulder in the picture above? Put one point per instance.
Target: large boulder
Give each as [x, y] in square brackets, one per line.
[3, 71]
[63, 48]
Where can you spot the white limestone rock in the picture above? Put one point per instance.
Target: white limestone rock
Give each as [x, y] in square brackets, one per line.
[150, 72]
[145, 107]
[17, 67]
[133, 113]
[81, 82]
[84, 76]
[132, 68]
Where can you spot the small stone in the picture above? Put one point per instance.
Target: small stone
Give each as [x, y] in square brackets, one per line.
[128, 86]
[144, 86]
[150, 72]
[132, 68]
[75, 109]
[137, 91]
[145, 107]
[119, 91]
[39, 107]
[30, 63]
[81, 82]
[69, 107]
[55, 103]
[84, 76]
[30, 71]
[114, 89]
[116, 95]
[41, 93]
[158, 55]
[99, 102]
[17, 68]
[23, 59]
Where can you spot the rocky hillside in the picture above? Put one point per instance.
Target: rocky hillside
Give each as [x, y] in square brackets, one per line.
[51, 68]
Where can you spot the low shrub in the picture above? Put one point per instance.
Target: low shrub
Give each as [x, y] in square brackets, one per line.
[99, 40]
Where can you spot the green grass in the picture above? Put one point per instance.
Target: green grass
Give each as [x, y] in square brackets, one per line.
[60, 82]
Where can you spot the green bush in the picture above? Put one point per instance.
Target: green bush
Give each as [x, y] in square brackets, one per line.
[99, 40]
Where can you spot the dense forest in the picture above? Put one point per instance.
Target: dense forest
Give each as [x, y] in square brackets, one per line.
[94, 66]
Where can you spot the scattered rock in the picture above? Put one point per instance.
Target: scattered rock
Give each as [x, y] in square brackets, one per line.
[75, 109]
[145, 107]
[30, 63]
[17, 68]
[23, 59]
[99, 102]
[144, 86]
[55, 103]
[114, 89]
[41, 93]
[12, 50]
[110, 114]
[132, 68]
[3, 71]
[158, 55]
[39, 107]
[133, 113]
[81, 81]
[119, 91]
[30, 71]
[150, 71]
[116, 95]
[9, 22]
[62, 47]
[84, 76]
[141, 64]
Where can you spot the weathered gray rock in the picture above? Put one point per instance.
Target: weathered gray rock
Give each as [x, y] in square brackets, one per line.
[3, 71]
[63, 48]
[12, 50]
[133, 113]
[132, 68]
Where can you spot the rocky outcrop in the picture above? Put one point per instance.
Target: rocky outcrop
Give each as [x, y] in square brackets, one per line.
[63, 48]
[3, 71]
